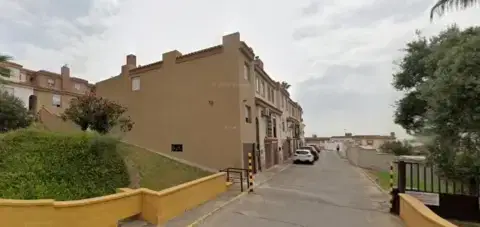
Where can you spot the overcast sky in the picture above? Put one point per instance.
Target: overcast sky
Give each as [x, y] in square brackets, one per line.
[337, 54]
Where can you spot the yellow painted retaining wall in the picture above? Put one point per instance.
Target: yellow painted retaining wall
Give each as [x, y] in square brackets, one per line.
[415, 214]
[156, 207]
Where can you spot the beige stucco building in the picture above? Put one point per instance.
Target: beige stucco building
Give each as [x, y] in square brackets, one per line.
[43, 89]
[367, 141]
[210, 107]
[373, 141]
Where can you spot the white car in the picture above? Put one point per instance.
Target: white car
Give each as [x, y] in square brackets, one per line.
[303, 155]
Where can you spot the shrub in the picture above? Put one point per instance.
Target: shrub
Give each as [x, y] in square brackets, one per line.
[397, 148]
[37, 164]
[13, 114]
[98, 114]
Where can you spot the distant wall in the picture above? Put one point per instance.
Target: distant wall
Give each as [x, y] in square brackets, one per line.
[152, 206]
[369, 158]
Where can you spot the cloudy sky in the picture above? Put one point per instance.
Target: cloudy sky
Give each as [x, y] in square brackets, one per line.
[337, 54]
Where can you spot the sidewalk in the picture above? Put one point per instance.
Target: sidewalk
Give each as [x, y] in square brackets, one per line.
[206, 209]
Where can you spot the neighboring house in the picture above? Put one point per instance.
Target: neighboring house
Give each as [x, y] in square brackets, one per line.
[373, 141]
[42, 88]
[210, 107]
[318, 141]
[366, 141]
[279, 125]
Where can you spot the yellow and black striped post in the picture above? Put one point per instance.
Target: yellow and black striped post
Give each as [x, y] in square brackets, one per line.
[250, 172]
[391, 185]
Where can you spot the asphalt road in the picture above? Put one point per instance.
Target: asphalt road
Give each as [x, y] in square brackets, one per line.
[329, 193]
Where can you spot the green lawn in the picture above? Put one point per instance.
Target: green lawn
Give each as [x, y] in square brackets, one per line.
[154, 171]
[383, 179]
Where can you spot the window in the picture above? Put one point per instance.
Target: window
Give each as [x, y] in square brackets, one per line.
[273, 95]
[77, 86]
[369, 142]
[262, 88]
[136, 84]
[283, 126]
[248, 114]
[246, 72]
[257, 81]
[269, 93]
[23, 77]
[51, 82]
[281, 102]
[57, 100]
[274, 127]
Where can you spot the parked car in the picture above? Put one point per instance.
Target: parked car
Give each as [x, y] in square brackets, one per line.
[303, 156]
[316, 148]
[313, 150]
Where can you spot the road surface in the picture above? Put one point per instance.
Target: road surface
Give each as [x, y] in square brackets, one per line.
[329, 193]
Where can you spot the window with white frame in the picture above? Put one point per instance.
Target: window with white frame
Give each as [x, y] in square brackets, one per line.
[269, 93]
[262, 88]
[273, 95]
[23, 77]
[135, 83]
[57, 100]
[257, 81]
[246, 72]
[77, 86]
[248, 114]
[51, 82]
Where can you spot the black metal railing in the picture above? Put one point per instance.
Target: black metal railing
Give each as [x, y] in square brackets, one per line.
[450, 199]
[237, 175]
[414, 176]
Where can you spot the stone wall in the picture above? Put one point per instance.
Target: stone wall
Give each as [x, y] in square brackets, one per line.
[369, 158]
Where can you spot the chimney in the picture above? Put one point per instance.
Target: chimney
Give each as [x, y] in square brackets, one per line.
[65, 73]
[132, 61]
[259, 62]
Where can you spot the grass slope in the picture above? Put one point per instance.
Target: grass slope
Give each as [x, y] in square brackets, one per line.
[38, 164]
[151, 170]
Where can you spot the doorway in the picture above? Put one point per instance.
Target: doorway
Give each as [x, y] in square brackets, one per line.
[32, 103]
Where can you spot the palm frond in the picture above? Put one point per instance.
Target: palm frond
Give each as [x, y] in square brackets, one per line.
[5, 72]
[445, 5]
[4, 58]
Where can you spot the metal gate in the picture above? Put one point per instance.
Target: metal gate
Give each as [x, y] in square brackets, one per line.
[450, 199]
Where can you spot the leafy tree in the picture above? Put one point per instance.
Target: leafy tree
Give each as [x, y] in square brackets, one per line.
[440, 77]
[13, 114]
[444, 5]
[98, 114]
[397, 147]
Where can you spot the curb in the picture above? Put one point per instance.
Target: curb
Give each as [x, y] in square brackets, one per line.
[201, 219]
[372, 180]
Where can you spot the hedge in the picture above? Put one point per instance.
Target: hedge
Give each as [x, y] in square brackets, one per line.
[38, 164]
